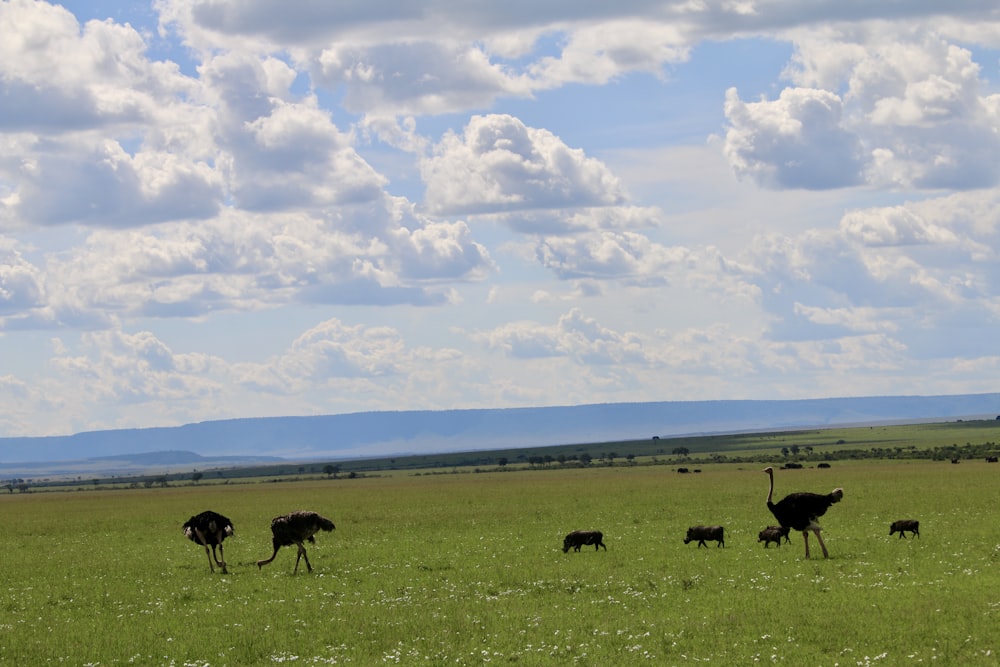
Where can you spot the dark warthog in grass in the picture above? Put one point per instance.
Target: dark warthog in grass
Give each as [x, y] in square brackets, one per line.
[702, 533]
[904, 525]
[579, 538]
[773, 534]
[784, 530]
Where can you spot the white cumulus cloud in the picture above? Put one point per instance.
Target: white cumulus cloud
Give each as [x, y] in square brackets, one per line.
[500, 164]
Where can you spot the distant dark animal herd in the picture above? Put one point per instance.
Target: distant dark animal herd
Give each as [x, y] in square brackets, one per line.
[796, 511]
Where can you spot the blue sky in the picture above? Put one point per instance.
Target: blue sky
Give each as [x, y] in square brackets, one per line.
[213, 209]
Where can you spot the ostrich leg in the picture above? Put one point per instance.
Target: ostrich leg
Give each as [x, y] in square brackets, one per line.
[820, 538]
[805, 534]
[203, 542]
[222, 555]
[262, 563]
[302, 554]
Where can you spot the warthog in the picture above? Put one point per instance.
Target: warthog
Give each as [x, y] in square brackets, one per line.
[784, 530]
[904, 525]
[702, 533]
[773, 534]
[579, 538]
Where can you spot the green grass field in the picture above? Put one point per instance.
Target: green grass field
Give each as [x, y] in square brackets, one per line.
[468, 569]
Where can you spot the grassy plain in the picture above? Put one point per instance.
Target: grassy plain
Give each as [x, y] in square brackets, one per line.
[468, 569]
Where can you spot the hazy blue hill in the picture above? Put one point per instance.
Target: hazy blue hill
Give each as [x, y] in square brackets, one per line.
[383, 433]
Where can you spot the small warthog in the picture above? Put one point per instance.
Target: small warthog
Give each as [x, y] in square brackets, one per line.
[773, 534]
[578, 538]
[784, 530]
[702, 533]
[904, 525]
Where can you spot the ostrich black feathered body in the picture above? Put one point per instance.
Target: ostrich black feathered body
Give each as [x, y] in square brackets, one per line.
[800, 511]
[212, 526]
[296, 527]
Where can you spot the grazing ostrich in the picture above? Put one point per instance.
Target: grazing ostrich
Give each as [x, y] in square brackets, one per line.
[800, 511]
[296, 528]
[210, 528]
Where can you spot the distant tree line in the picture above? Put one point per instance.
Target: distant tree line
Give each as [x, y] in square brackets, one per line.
[531, 460]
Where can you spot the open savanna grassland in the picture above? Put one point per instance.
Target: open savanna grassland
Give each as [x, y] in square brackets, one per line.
[468, 569]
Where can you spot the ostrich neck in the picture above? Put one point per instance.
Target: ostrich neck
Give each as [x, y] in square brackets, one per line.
[770, 491]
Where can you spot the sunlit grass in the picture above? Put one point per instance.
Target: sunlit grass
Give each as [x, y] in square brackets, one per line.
[468, 569]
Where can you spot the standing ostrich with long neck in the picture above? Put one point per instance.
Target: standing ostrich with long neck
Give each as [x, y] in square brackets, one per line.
[800, 511]
[296, 528]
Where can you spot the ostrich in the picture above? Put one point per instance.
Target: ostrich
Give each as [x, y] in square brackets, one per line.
[296, 528]
[210, 528]
[800, 511]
